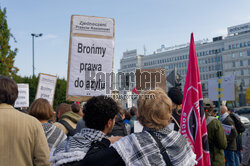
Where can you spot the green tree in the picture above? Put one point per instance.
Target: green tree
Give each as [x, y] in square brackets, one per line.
[7, 55]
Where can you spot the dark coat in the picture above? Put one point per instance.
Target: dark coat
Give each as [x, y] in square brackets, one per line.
[100, 154]
[217, 141]
[231, 139]
[119, 127]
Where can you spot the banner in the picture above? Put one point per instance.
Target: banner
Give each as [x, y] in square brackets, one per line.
[46, 87]
[193, 121]
[91, 54]
[227, 88]
[23, 96]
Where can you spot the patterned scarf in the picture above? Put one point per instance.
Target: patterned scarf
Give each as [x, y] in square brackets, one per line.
[53, 134]
[75, 148]
[142, 149]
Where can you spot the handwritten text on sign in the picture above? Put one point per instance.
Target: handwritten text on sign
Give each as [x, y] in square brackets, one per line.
[23, 96]
[46, 87]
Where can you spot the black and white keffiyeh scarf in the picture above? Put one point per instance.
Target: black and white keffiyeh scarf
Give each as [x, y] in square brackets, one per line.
[53, 134]
[75, 148]
[142, 149]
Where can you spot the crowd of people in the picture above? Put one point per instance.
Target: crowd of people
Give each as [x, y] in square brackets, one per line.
[101, 132]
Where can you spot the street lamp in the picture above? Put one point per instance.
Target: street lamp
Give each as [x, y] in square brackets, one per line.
[33, 36]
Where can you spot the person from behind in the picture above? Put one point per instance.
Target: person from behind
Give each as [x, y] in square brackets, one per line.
[155, 145]
[99, 115]
[76, 108]
[230, 151]
[176, 96]
[42, 110]
[22, 140]
[67, 119]
[132, 112]
[119, 127]
[216, 137]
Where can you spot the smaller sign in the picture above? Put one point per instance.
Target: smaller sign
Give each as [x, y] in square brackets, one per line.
[227, 129]
[227, 88]
[46, 87]
[137, 126]
[23, 96]
[238, 28]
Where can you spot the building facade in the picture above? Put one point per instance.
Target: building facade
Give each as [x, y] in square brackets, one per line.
[229, 54]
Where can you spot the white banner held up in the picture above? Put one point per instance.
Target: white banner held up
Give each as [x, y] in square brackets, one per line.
[91, 53]
[227, 88]
[23, 96]
[46, 87]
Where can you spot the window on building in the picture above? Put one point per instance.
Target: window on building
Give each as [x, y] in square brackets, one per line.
[248, 43]
[212, 59]
[233, 46]
[241, 45]
[248, 53]
[233, 55]
[248, 61]
[237, 45]
[242, 72]
[241, 63]
[245, 44]
[234, 72]
[233, 64]
[241, 54]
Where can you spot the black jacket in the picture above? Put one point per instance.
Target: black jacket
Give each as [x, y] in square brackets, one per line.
[100, 155]
[119, 127]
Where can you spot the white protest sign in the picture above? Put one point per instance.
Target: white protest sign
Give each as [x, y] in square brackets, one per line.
[227, 88]
[129, 99]
[171, 126]
[23, 96]
[46, 87]
[137, 126]
[91, 54]
[93, 25]
[227, 129]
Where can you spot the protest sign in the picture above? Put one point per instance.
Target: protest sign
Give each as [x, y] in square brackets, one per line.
[91, 53]
[227, 88]
[23, 96]
[150, 79]
[227, 129]
[137, 126]
[46, 87]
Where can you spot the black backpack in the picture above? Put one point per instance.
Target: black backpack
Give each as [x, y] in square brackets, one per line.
[71, 130]
[240, 127]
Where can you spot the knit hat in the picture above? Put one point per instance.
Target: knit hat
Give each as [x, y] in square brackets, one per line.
[175, 95]
[208, 103]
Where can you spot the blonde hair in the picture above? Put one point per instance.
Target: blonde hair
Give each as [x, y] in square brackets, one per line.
[41, 109]
[154, 109]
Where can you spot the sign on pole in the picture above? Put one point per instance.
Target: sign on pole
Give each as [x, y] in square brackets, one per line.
[46, 87]
[226, 89]
[23, 96]
[91, 53]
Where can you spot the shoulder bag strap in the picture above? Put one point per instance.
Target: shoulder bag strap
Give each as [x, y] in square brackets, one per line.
[162, 149]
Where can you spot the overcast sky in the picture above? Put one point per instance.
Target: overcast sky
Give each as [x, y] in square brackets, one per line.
[137, 23]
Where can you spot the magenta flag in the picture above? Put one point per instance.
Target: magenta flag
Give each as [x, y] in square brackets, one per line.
[193, 121]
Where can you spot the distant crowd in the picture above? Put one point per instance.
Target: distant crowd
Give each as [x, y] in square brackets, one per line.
[101, 132]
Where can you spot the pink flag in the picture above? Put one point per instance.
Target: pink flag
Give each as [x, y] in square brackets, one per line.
[134, 90]
[193, 122]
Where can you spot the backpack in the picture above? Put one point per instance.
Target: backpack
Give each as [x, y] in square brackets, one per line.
[71, 130]
[240, 127]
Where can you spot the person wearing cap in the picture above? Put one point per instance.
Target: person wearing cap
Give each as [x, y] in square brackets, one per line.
[216, 137]
[176, 96]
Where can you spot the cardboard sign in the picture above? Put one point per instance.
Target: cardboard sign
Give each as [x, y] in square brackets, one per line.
[150, 79]
[91, 54]
[46, 87]
[227, 88]
[23, 96]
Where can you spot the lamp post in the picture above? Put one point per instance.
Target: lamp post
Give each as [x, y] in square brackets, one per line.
[33, 52]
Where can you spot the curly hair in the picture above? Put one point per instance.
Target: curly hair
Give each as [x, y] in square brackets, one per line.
[98, 110]
[8, 90]
[154, 112]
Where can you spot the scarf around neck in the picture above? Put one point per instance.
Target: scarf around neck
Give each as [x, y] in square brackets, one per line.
[76, 147]
[142, 149]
